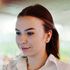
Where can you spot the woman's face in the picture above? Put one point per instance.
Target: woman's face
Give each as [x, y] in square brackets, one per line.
[30, 35]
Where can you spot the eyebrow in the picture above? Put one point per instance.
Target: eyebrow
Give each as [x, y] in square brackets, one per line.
[25, 29]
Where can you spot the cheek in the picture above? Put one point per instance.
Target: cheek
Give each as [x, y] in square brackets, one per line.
[38, 46]
[18, 42]
[17, 39]
[37, 42]
[37, 39]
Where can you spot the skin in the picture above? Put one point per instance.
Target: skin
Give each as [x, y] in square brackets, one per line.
[31, 39]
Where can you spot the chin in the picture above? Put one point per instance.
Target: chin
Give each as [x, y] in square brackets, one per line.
[29, 54]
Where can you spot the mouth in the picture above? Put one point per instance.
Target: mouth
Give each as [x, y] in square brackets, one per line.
[25, 48]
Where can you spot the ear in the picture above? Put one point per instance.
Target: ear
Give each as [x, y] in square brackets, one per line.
[48, 36]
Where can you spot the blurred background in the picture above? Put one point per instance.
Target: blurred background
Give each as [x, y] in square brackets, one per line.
[9, 9]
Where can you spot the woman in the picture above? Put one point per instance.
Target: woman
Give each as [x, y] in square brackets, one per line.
[38, 39]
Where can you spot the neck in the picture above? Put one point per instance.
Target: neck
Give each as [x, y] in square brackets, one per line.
[37, 61]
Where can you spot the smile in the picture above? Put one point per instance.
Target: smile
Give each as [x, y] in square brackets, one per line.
[25, 48]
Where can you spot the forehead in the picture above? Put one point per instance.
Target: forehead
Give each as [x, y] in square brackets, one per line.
[28, 21]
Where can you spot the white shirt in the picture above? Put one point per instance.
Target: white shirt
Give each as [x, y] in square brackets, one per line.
[51, 63]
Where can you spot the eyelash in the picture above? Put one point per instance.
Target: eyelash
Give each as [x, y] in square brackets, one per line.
[28, 33]
[18, 33]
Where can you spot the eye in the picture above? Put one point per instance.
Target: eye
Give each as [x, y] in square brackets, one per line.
[18, 33]
[30, 33]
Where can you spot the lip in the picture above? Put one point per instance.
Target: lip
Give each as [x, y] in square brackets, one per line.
[25, 48]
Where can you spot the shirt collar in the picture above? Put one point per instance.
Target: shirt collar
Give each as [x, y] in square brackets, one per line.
[51, 60]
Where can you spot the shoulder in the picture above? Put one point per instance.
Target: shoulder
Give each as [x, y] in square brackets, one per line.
[16, 64]
[63, 65]
[60, 65]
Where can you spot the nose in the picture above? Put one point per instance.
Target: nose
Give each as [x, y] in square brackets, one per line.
[22, 39]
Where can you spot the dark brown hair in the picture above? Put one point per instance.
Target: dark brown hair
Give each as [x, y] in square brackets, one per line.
[42, 13]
